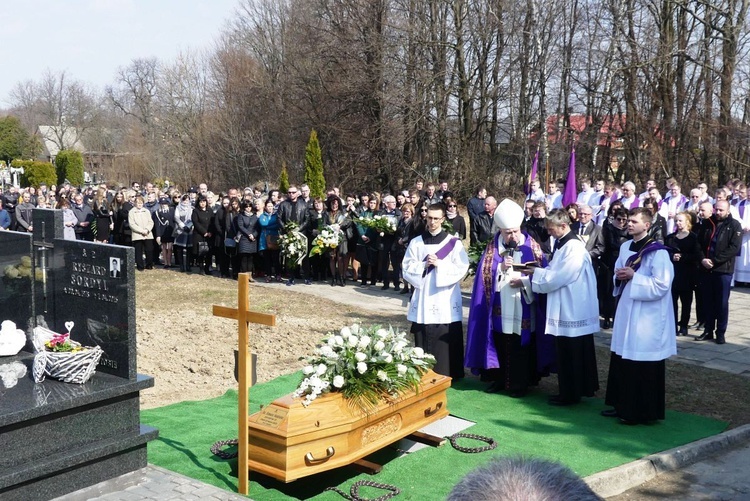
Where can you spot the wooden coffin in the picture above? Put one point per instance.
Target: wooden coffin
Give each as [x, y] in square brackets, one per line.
[288, 441]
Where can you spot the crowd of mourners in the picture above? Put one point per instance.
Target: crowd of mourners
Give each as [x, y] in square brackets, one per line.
[237, 230]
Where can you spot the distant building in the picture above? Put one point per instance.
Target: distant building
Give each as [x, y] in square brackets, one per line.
[96, 163]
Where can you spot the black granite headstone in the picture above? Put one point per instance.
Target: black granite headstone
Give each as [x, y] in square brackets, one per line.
[94, 287]
[16, 278]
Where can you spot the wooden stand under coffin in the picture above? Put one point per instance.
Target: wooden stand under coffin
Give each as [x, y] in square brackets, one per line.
[288, 441]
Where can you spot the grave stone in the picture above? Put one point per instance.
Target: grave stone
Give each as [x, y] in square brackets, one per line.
[93, 284]
[57, 437]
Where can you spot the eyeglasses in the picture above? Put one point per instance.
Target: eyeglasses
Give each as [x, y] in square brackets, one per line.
[452, 205]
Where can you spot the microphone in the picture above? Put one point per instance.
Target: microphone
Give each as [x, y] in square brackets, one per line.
[511, 248]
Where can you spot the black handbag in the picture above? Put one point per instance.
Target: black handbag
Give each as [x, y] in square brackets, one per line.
[202, 249]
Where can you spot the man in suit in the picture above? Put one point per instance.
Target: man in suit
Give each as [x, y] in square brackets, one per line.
[590, 233]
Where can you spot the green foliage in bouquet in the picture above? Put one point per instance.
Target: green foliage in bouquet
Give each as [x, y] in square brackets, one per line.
[475, 254]
[366, 364]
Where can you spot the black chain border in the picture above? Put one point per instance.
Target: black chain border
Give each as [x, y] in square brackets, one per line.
[216, 448]
[354, 491]
[491, 443]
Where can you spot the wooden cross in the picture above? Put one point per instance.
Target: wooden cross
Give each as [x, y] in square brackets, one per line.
[244, 316]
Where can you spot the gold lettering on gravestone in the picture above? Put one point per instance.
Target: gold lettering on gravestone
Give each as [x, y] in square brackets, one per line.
[272, 417]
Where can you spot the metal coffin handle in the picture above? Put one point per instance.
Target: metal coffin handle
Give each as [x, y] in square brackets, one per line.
[429, 412]
[329, 454]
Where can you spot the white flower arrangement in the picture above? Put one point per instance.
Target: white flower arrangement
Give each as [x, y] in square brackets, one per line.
[381, 224]
[328, 239]
[365, 364]
[293, 245]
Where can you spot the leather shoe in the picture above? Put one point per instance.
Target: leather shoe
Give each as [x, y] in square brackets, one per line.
[698, 325]
[405, 290]
[495, 387]
[706, 336]
[606, 324]
[720, 339]
[609, 413]
[683, 331]
[559, 402]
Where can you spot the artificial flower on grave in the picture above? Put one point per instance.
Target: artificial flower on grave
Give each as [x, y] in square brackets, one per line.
[328, 239]
[293, 245]
[62, 343]
[365, 364]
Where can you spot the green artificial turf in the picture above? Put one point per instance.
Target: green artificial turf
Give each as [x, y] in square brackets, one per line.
[576, 436]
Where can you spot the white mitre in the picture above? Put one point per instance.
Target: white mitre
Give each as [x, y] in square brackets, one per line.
[508, 215]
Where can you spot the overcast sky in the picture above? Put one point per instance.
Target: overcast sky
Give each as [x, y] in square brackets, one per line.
[90, 39]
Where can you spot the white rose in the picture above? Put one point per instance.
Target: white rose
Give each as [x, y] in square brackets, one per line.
[307, 370]
[381, 333]
[355, 329]
[339, 340]
[361, 367]
[326, 350]
[387, 358]
[379, 346]
[321, 369]
[382, 375]
[338, 381]
[401, 368]
[331, 341]
[346, 332]
[364, 342]
[418, 352]
[361, 357]
[400, 345]
[352, 341]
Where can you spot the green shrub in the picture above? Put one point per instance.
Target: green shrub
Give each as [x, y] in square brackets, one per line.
[69, 164]
[36, 173]
[314, 167]
[283, 179]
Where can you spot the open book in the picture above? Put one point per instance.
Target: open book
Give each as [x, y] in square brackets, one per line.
[525, 266]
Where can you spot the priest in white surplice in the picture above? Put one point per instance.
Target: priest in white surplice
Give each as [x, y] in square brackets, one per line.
[742, 264]
[435, 262]
[572, 311]
[643, 335]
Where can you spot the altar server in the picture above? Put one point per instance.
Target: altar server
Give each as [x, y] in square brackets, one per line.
[502, 341]
[435, 262]
[643, 335]
[572, 311]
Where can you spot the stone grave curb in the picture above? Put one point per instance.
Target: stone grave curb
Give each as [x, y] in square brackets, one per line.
[621, 478]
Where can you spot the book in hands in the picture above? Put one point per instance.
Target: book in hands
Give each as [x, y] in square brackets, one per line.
[527, 266]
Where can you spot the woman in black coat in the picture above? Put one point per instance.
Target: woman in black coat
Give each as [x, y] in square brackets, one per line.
[246, 224]
[686, 254]
[201, 218]
[614, 233]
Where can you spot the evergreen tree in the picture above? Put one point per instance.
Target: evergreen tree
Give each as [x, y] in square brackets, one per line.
[283, 179]
[69, 165]
[314, 167]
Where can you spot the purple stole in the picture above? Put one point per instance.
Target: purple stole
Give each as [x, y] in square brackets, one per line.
[635, 260]
[635, 203]
[741, 208]
[442, 253]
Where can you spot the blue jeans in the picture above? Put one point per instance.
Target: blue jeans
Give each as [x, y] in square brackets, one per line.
[717, 301]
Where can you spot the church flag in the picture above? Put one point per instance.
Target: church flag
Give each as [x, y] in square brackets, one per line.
[571, 195]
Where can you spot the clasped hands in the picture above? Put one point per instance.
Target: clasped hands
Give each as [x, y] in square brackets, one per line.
[624, 274]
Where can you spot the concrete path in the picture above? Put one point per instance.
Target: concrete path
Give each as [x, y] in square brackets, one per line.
[713, 468]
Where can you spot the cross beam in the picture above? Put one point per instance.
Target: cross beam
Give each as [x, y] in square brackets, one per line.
[244, 317]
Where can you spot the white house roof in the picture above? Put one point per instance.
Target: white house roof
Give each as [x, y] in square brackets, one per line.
[50, 139]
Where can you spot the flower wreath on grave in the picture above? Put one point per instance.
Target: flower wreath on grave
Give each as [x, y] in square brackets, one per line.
[365, 364]
[60, 357]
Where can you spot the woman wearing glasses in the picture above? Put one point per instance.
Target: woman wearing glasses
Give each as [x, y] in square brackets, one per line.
[456, 219]
[614, 232]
